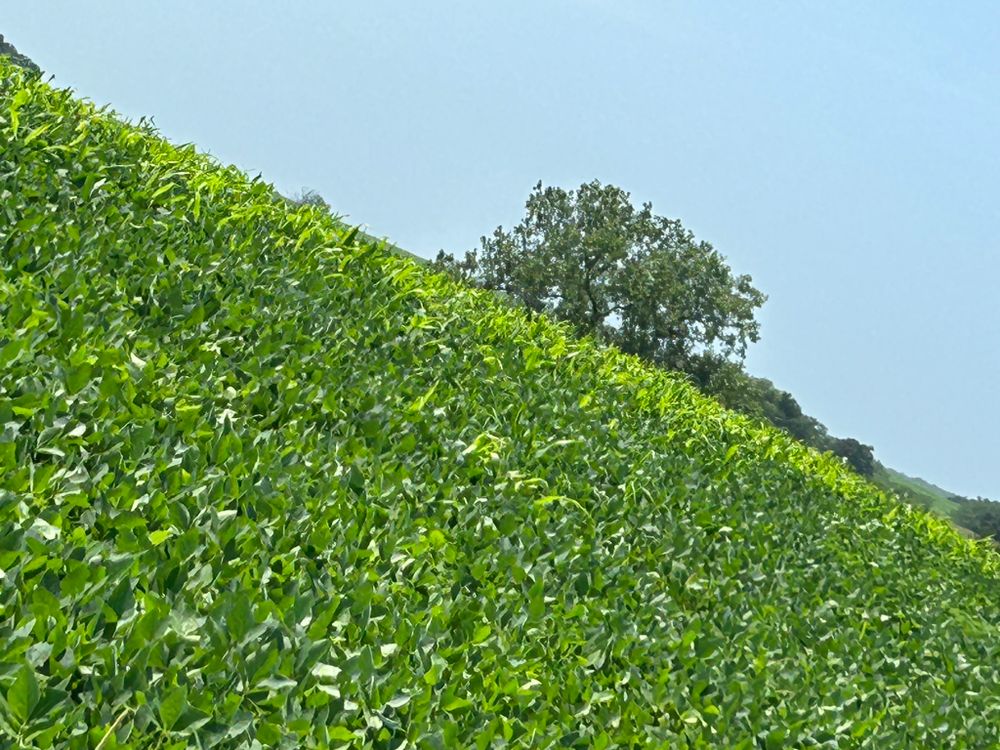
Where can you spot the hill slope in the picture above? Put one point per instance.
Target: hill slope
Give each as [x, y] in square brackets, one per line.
[918, 491]
[9, 51]
[263, 481]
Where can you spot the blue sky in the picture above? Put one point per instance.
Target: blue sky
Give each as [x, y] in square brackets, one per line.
[844, 154]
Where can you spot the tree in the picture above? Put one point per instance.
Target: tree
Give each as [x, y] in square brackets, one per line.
[621, 274]
[10, 51]
[857, 454]
[309, 197]
[758, 397]
[981, 516]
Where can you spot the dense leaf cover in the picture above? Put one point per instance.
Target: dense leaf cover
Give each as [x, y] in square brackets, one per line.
[265, 484]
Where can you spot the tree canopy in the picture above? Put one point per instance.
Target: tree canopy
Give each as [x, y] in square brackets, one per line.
[858, 455]
[621, 274]
[979, 515]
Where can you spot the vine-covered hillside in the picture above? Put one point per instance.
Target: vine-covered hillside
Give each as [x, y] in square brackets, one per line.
[264, 483]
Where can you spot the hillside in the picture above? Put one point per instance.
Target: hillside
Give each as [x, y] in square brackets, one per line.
[9, 51]
[918, 491]
[267, 484]
[760, 399]
[756, 397]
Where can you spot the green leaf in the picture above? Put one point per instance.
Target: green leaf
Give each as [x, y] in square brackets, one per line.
[8, 455]
[481, 633]
[22, 696]
[269, 733]
[456, 704]
[341, 734]
[536, 599]
[41, 129]
[20, 99]
[77, 378]
[158, 537]
[326, 671]
[173, 705]
[399, 701]
[277, 683]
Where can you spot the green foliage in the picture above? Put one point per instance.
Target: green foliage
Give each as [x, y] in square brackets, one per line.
[266, 484]
[16, 58]
[308, 197]
[858, 455]
[980, 516]
[621, 274]
[759, 398]
[643, 283]
[917, 492]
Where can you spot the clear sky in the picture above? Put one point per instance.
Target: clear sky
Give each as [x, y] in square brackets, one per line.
[844, 154]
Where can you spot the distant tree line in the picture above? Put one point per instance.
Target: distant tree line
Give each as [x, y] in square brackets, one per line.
[979, 515]
[644, 283]
[10, 51]
[308, 197]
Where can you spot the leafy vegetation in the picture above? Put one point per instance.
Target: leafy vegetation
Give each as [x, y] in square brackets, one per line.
[916, 491]
[266, 484]
[642, 282]
[309, 197]
[624, 275]
[9, 51]
[981, 515]
[620, 274]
